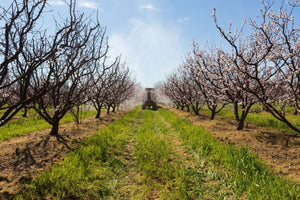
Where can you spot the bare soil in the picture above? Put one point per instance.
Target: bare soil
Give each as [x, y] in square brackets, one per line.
[278, 149]
[24, 157]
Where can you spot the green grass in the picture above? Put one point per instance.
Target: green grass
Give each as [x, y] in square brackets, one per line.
[155, 154]
[30, 112]
[153, 163]
[268, 121]
[263, 119]
[98, 169]
[249, 176]
[153, 157]
[90, 172]
[167, 166]
[24, 126]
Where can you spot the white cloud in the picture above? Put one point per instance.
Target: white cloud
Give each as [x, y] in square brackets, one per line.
[82, 3]
[146, 6]
[88, 4]
[185, 19]
[56, 3]
[150, 50]
[149, 7]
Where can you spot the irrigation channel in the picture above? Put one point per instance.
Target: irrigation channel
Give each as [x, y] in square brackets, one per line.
[157, 155]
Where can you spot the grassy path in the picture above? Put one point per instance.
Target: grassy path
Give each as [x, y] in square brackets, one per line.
[156, 155]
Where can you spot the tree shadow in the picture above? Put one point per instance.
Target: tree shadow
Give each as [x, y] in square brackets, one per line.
[276, 138]
[63, 141]
[26, 155]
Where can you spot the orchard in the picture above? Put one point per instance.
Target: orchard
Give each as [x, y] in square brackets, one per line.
[77, 121]
[260, 68]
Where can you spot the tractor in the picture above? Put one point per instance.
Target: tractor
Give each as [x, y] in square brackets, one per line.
[149, 102]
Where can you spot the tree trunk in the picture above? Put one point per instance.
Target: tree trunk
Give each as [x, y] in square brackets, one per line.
[188, 108]
[55, 126]
[280, 117]
[114, 109]
[245, 112]
[77, 114]
[296, 111]
[98, 107]
[213, 109]
[98, 113]
[236, 111]
[108, 109]
[182, 107]
[25, 112]
[195, 110]
[241, 123]
[284, 120]
[213, 114]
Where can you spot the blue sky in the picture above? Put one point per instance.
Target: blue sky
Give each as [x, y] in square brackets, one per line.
[153, 36]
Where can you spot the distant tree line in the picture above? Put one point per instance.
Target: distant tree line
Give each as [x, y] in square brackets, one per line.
[56, 73]
[262, 67]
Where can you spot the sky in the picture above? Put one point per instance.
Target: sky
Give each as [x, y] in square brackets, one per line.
[154, 36]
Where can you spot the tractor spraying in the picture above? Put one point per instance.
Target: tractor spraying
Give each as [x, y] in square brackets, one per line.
[150, 102]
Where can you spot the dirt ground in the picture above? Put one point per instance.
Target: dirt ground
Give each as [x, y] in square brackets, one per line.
[22, 158]
[278, 149]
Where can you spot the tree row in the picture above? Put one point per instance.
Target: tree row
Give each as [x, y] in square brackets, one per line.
[56, 70]
[262, 67]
